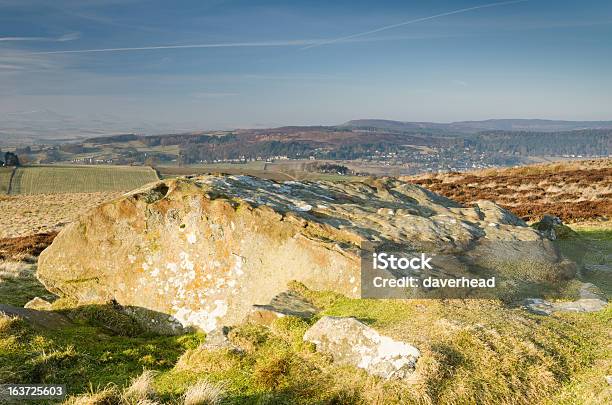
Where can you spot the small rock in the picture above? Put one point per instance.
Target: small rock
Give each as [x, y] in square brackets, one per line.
[553, 228]
[351, 342]
[591, 299]
[609, 379]
[538, 306]
[283, 304]
[38, 303]
[217, 339]
[42, 319]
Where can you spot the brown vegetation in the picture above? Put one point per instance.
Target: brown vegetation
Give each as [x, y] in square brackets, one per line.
[573, 191]
[22, 246]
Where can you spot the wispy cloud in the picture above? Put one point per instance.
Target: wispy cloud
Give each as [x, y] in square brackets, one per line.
[14, 60]
[64, 38]
[416, 20]
[304, 43]
[279, 43]
[297, 42]
[460, 83]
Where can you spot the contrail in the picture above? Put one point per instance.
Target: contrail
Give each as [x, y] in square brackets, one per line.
[431, 17]
[298, 42]
[67, 37]
[306, 43]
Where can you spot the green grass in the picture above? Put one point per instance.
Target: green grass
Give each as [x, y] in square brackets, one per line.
[83, 356]
[18, 284]
[5, 179]
[473, 351]
[592, 248]
[79, 179]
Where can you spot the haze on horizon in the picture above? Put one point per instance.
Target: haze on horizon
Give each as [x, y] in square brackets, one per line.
[226, 64]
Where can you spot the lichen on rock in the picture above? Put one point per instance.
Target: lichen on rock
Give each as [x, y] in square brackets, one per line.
[203, 250]
[351, 342]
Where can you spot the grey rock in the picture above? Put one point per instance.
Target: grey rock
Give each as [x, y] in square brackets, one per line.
[287, 303]
[553, 228]
[591, 299]
[41, 319]
[351, 342]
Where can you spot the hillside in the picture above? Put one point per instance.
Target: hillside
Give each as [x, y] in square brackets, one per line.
[414, 147]
[538, 125]
[573, 191]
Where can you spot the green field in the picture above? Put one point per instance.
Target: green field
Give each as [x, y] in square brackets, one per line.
[5, 179]
[79, 179]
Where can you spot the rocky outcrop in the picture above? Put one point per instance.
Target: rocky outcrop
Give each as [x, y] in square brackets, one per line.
[351, 342]
[203, 250]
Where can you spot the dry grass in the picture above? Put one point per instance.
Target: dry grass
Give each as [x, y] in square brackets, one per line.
[139, 392]
[573, 191]
[203, 393]
[140, 389]
[108, 395]
[7, 322]
[23, 215]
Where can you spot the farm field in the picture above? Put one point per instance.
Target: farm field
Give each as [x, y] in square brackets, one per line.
[79, 179]
[5, 179]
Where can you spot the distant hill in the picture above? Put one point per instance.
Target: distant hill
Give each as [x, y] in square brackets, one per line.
[477, 126]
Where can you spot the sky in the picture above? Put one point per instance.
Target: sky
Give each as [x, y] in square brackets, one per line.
[215, 64]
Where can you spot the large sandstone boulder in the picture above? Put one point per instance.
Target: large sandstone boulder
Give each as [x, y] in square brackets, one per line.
[200, 252]
[351, 342]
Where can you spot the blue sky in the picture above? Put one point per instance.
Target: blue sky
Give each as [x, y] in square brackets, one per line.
[267, 63]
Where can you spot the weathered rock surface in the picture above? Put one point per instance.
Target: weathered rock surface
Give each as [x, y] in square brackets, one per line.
[590, 299]
[41, 319]
[351, 342]
[287, 303]
[204, 250]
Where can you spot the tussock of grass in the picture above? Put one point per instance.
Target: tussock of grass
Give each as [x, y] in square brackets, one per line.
[203, 360]
[203, 393]
[140, 389]
[9, 324]
[108, 395]
[249, 336]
